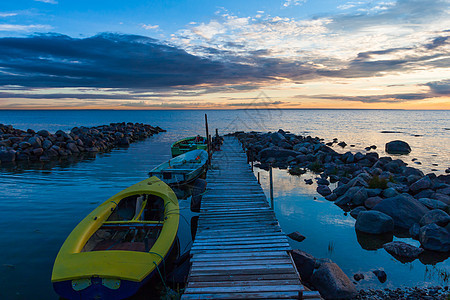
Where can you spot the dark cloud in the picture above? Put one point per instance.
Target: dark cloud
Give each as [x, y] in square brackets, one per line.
[107, 61]
[440, 88]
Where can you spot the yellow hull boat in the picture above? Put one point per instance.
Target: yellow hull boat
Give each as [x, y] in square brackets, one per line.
[120, 245]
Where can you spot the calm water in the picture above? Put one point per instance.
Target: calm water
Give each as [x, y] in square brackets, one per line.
[40, 206]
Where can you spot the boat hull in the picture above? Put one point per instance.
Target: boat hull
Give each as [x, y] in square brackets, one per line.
[178, 148]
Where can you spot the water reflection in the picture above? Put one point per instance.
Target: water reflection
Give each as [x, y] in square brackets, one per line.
[373, 241]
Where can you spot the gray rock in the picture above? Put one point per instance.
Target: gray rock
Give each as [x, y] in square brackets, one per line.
[331, 197]
[332, 283]
[308, 181]
[305, 263]
[277, 152]
[323, 181]
[390, 192]
[277, 137]
[46, 144]
[441, 197]
[401, 249]
[414, 231]
[421, 184]
[35, 142]
[403, 209]
[359, 156]
[323, 190]
[355, 196]
[372, 201]
[24, 145]
[433, 204]
[397, 147]
[373, 192]
[434, 238]
[374, 222]
[444, 190]
[436, 216]
[355, 212]
[72, 147]
[428, 193]
[43, 133]
[296, 236]
[358, 276]
[38, 151]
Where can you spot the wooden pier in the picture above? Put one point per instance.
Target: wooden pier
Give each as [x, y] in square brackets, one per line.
[240, 251]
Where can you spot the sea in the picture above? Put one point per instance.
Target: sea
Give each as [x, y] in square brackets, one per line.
[40, 204]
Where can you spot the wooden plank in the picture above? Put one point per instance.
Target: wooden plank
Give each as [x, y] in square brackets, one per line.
[243, 289]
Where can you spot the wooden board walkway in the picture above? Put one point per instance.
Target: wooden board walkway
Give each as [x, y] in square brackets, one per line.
[240, 251]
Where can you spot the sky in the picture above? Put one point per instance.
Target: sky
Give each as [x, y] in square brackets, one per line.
[179, 54]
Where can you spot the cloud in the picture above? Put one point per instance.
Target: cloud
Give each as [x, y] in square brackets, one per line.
[293, 2]
[150, 27]
[4, 15]
[47, 1]
[15, 27]
[440, 87]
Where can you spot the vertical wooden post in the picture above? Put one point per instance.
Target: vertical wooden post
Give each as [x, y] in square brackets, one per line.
[207, 139]
[259, 180]
[252, 165]
[271, 186]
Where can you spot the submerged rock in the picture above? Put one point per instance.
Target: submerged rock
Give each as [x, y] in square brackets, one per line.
[397, 147]
[401, 249]
[436, 216]
[381, 275]
[297, 236]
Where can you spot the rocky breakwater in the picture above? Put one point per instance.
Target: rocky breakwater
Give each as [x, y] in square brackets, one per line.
[398, 197]
[20, 145]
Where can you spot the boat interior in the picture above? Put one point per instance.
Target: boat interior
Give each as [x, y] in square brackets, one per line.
[134, 225]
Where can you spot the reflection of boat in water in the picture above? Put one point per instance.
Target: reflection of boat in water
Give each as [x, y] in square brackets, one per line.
[182, 169]
[120, 245]
[188, 144]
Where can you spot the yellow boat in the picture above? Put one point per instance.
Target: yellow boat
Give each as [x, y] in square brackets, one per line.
[120, 245]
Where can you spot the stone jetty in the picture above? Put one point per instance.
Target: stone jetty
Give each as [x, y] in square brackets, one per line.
[373, 188]
[29, 145]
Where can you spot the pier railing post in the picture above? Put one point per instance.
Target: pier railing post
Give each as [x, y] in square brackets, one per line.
[271, 186]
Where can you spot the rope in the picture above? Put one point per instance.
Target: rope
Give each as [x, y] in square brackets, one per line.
[162, 279]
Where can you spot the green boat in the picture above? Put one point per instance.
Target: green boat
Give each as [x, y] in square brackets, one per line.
[189, 144]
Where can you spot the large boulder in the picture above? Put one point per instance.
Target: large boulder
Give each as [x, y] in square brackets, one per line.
[332, 283]
[397, 147]
[403, 209]
[436, 216]
[323, 190]
[305, 263]
[374, 222]
[402, 249]
[434, 238]
[7, 155]
[371, 202]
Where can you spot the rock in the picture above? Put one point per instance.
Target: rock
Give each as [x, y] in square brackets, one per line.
[359, 156]
[7, 156]
[358, 276]
[308, 181]
[322, 181]
[72, 147]
[332, 283]
[331, 197]
[38, 151]
[355, 196]
[436, 216]
[323, 190]
[441, 197]
[434, 238]
[381, 275]
[277, 137]
[374, 192]
[421, 184]
[305, 263]
[372, 201]
[43, 133]
[297, 236]
[277, 152]
[355, 212]
[35, 142]
[24, 145]
[46, 144]
[342, 144]
[401, 249]
[374, 222]
[397, 147]
[403, 209]
[390, 192]
[414, 231]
